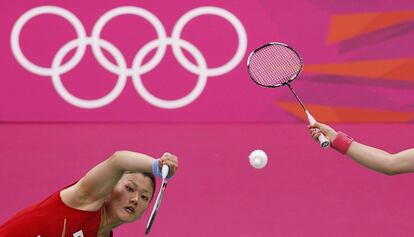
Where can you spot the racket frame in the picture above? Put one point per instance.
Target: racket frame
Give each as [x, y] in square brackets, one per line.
[322, 139]
[268, 45]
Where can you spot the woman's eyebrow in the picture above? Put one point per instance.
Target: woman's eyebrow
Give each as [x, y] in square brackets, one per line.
[136, 186]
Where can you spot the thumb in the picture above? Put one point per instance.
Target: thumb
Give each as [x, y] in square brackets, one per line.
[325, 129]
[315, 125]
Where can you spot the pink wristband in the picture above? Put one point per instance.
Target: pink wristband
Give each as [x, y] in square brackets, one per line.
[342, 142]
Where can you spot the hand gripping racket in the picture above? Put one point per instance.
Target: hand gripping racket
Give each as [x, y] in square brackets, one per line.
[276, 64]
[164, 173]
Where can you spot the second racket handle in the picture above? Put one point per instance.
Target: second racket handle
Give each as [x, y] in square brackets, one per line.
[164, 171]
[322, 139]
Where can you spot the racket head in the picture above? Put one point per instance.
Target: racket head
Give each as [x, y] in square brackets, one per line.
[274, 64]
[156, 206]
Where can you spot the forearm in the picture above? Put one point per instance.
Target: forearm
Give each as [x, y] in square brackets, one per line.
[100, 180]
[381, 161]
[132, 161]
[91, 191]
[371, 158]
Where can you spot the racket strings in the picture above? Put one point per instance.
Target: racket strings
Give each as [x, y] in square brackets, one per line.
[274, 65]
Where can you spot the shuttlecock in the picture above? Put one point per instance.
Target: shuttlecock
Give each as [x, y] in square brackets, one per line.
[258, 159]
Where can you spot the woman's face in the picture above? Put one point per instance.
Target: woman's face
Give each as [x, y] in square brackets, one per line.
[130, 197]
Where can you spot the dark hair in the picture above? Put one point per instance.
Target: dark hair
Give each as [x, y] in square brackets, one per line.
[151, 176]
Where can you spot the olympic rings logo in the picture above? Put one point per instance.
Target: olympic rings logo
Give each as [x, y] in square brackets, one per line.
[137, 68]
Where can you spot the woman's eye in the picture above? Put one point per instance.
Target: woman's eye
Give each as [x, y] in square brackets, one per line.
[129, 189]
[145, 198]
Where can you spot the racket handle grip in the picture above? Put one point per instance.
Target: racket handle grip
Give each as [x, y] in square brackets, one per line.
[164, 171]
[322, 139]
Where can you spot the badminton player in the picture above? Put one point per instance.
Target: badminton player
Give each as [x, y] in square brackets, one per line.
[114, 192]
[370, 157]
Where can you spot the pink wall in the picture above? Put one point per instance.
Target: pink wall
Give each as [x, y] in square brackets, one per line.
[358, 68]
[304, 190]
[317, 29]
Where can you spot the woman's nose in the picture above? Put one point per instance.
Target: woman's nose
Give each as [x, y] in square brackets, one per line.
[134, 199]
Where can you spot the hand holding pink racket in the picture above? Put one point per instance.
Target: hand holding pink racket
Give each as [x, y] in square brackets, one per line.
[276, 64]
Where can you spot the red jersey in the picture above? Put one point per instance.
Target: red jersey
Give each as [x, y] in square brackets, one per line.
[52, 218]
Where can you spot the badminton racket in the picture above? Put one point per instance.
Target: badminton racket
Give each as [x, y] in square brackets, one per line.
[164, 173]
[274, 65]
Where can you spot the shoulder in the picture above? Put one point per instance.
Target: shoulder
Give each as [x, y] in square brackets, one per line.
[73, 196]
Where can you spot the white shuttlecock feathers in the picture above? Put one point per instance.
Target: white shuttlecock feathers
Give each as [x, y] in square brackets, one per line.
[258, 159]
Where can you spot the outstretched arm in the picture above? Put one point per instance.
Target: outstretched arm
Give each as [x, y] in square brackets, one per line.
[370, 157]
[91, 190]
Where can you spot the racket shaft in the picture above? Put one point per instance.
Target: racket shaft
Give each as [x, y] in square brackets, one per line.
[164, 173]
[296, 96]
[155, 208]
[151, 220]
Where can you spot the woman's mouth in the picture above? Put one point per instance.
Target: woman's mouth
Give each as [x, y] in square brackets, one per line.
[130, 210]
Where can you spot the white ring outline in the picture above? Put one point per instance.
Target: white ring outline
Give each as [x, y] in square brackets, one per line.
[94, 103]
[170, 104]
[241, 34]
[43, 71]
[135, 72]
[159, 28]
